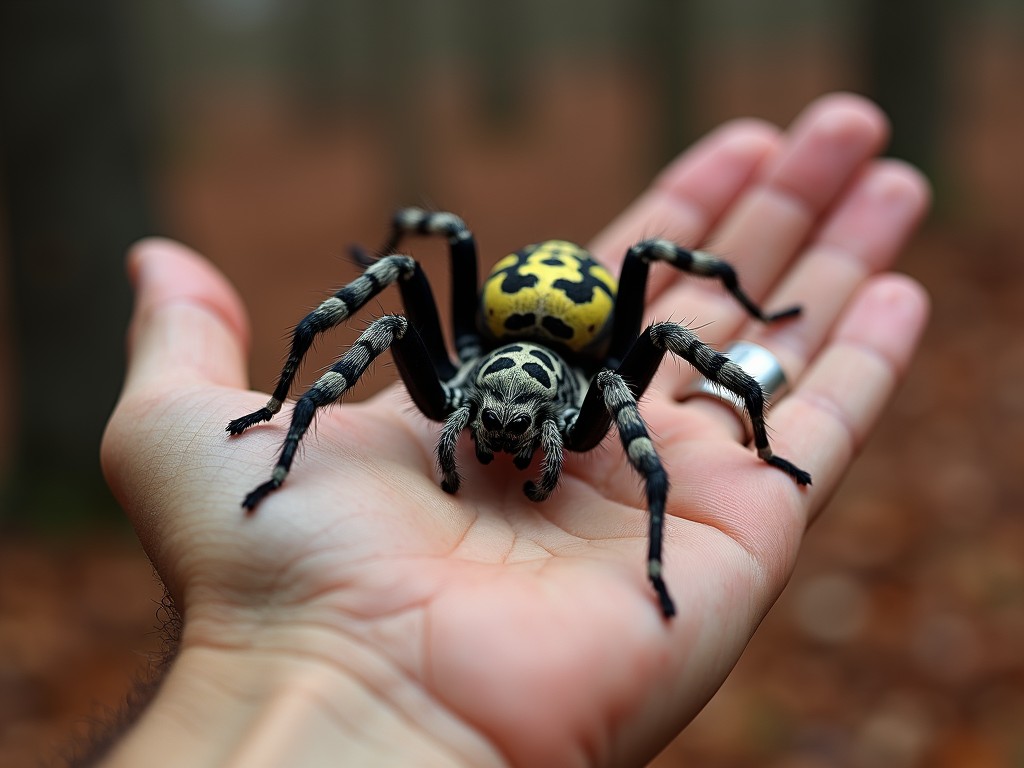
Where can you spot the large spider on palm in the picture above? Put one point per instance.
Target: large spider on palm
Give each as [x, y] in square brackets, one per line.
[548, 355]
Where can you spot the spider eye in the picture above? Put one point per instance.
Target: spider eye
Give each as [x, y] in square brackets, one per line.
[518, 425]
[491, 422]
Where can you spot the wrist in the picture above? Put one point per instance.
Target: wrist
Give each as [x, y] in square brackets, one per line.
[257, 707]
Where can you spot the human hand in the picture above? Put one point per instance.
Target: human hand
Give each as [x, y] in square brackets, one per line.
[362, 608]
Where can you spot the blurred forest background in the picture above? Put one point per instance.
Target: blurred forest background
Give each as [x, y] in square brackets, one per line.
[270, 134]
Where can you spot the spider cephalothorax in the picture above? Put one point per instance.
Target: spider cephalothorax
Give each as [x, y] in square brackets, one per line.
[547, 359]
[518, 398]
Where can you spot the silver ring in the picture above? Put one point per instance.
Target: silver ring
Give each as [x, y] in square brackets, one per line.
[757, 361]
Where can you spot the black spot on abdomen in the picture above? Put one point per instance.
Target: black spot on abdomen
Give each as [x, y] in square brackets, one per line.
[518, 321]
[516, 281]
[556, 328]
[583, 291]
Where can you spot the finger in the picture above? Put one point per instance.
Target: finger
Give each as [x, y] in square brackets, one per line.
[689, 197]
[863, 236]
[188, 325]
[825, 150]
[823, 423]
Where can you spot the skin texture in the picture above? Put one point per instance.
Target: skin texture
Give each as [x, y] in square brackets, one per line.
[363, 612]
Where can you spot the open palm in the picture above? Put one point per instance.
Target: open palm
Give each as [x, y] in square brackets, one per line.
[507, 630]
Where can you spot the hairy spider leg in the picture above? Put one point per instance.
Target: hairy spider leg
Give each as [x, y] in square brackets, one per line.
[642, 363]
[551, 443]
[420, 308]
[629, 303]
[413, 360]
[621, 403]
[457, 421]
[614, 396]
[719, 369]
[328, 315]
[463, 256]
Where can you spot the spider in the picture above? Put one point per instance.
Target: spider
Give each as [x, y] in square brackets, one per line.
[548, 356]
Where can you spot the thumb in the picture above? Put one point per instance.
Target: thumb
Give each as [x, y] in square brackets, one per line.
[188, 326]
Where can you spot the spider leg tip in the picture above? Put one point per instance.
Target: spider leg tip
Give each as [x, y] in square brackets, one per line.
[800, 476]
[254, 497]
[242, 423]
[361, 256]
[534, 492]
[785, 314]
[668, 607]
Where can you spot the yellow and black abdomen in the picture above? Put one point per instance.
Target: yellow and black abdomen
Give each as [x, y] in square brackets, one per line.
[554, 293]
